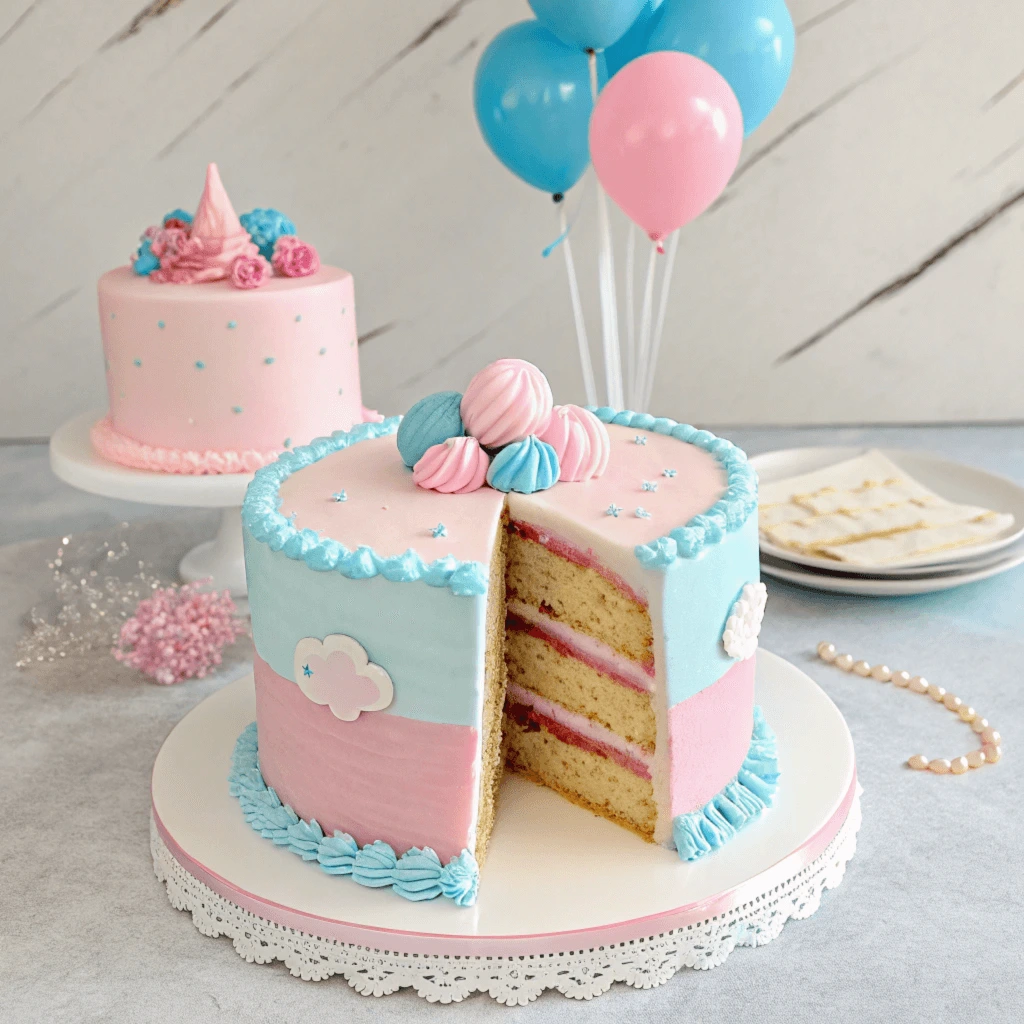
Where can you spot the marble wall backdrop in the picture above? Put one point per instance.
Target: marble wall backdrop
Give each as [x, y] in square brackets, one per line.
[865, 264]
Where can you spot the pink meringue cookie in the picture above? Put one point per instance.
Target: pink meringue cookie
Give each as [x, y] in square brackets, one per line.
[456, 466]
[505, 402]
[580, 441]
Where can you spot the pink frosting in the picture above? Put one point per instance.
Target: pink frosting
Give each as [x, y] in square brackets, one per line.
[249, 271]
[580, 441]
[505, 402]
[125, 451]
[456, 466]
[216, 241]
[293, 258]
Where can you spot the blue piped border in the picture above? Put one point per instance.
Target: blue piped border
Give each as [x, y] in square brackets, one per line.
[742, 801]
[416, 875]
[727, 515]
[262, 518]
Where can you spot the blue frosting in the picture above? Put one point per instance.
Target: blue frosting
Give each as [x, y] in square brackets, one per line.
[263, 520]
[179, 214]
[432, 420]
[265, 227]
[144, 262]
[727, 515]
[702, 832]
[524, 466]
[416, 875]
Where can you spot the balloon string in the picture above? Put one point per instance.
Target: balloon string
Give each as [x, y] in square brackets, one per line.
[666, 284]
[606, 281]
[645, 319]
[577, 311]
[631, 318]
[562, 202]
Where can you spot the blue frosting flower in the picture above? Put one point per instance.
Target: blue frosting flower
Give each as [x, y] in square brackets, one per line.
[375, 865]
[418, 874]
[460, 879]
[265, 227]
[432, 420]
[337, 853]
[145, 262]
[179, 214]
[524, 466]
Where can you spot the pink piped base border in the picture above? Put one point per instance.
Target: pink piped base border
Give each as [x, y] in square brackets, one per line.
[126, 451]
[515, 945]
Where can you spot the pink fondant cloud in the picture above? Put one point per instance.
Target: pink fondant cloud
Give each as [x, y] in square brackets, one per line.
[338, 673]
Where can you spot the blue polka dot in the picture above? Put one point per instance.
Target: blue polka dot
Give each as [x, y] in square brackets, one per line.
[113, 316]
[232, 324]
[322, 351]
[137, 362]
[268, 360]
[298, 318]
[341, 391]
[287, 442]
[161, 324]
[200, 365]
[236, 408]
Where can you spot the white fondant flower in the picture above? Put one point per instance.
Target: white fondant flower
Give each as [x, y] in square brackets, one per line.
[744, 622]
[338, 673]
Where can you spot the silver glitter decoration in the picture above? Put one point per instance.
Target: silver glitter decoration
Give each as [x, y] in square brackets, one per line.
[97, 586]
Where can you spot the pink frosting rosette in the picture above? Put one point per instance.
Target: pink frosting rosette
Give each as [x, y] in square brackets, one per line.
[250, 271]
[456, 466]
[580, 441]
[295, 258]
[505, 402]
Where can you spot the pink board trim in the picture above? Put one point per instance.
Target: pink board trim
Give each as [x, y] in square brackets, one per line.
[391, 940]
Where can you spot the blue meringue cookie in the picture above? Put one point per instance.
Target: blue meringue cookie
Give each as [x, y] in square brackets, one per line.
[524, 466]
[432, 420]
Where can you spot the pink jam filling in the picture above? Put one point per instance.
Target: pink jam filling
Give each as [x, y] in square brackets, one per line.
[587, 559]
[532, 712]
[568, 642]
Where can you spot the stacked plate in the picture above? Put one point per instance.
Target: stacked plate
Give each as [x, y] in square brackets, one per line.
[936, 571]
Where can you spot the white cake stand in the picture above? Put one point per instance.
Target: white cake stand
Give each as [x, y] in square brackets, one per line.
[567, 900]
[73, 459]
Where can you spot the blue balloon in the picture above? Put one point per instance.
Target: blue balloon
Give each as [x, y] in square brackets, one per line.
[532, 100]
[637, 40]
[748, 42]
[587, 24]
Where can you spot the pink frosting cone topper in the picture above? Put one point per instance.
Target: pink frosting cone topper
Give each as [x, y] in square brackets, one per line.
[665, 138]
[580, 441]
[456, 466]
[505, 402]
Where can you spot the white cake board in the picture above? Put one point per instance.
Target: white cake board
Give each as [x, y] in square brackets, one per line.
[73, 459]
[567, 900]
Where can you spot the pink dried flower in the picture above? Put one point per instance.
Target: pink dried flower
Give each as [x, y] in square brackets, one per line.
[179, 633]
[151, 232]
[249, 271]
[294, 258]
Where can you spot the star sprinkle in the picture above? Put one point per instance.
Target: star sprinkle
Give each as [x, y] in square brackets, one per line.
[307, 671]
[613, 510]
[640, 439]
[642, 513]
[648, 485]
[669, 473]
[339, 496]
[439, 531]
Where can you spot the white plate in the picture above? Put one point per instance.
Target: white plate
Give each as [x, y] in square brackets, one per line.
[888, 586]
[952, 480]
[910, 572]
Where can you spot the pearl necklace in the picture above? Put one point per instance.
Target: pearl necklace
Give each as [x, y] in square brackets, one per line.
[990, 750]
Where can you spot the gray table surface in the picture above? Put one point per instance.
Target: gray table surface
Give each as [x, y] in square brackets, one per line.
[927, 925]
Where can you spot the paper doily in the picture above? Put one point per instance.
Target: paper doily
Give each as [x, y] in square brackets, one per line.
[514, 981]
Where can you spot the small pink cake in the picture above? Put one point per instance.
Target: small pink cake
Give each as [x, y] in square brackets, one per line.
[225, 342]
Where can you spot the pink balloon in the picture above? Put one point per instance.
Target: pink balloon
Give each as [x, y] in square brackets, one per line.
[665, 137]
